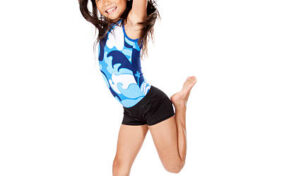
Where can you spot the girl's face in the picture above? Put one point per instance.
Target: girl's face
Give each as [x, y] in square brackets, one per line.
[111, 9]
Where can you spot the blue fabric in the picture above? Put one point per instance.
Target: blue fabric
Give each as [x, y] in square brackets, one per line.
[119, 61]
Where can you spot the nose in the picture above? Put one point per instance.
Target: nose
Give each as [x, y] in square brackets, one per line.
[106, 2]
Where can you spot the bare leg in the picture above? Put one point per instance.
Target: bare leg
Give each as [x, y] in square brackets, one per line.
[179, 100]
[130, 140]
[169, 136]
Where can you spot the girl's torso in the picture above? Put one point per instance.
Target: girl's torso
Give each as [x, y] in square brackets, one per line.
[119, 61]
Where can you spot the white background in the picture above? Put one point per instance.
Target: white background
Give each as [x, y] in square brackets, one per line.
[58, 117]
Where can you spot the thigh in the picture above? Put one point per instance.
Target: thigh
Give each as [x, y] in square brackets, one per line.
[130, 140]
[164, 135]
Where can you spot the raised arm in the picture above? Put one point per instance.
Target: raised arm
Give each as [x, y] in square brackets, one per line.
[138, 11]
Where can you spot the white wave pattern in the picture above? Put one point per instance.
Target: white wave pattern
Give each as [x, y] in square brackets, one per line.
[124, 79]
[116, 38]
[145, 87]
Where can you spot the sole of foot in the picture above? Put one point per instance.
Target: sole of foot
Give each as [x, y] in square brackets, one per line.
[181, 97]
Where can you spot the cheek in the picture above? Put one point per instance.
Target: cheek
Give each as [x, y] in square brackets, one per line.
[122, 3]
[99, 6]
[123, 6]
[100, 9]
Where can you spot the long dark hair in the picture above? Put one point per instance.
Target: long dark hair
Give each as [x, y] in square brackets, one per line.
[103, 24]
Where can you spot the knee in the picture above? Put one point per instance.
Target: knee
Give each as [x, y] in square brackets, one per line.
[119, 168]
[175, 167]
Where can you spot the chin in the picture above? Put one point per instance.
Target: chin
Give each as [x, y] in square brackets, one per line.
[115, 16]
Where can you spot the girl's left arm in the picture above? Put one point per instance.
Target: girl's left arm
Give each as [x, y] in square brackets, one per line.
[138, 11]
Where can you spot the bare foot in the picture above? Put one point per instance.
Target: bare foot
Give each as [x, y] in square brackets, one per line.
[181, 97]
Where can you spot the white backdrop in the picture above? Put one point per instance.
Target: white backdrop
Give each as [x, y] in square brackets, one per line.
[58, 118]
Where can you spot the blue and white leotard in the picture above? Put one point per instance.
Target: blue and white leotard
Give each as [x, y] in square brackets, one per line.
[119, 61]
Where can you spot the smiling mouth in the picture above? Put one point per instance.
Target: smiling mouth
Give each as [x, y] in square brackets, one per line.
[111, 10]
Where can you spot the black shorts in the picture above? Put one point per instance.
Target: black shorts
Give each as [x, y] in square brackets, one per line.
[151, 109]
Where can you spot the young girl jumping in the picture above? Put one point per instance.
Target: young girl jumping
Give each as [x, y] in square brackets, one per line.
[123, 29]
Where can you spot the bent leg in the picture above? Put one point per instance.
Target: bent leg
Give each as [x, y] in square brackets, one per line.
[130, 140]
[169, 137]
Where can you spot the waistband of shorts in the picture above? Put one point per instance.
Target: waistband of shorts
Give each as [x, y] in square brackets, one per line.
[143, 100]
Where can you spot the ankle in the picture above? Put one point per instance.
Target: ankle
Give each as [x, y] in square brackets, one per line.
[180, 105]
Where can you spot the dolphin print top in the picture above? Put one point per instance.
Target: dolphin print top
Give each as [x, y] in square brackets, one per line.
[119, 61]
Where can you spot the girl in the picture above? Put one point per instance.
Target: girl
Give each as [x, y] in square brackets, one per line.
[123, 28]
